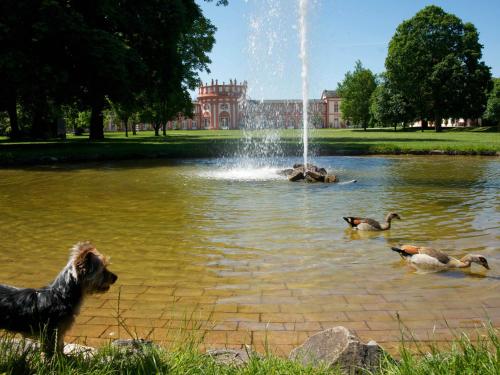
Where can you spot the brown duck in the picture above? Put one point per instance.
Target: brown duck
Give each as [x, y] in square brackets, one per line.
[431, 259]
[361, 223]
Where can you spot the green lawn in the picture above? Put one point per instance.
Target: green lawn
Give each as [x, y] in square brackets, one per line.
[210, 143]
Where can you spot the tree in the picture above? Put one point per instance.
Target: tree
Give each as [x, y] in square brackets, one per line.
[388, 107]
[493, 107]
[60, 52]
[434, 64]
[355, 91]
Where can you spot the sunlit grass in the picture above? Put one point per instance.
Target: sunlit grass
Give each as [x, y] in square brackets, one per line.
[212, 143]
[477, 354]
[466, 355]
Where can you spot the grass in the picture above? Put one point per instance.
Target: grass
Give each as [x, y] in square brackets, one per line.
[466, 356]
[206, 143]
[148, 360]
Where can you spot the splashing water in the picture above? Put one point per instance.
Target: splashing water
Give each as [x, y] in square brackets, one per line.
[303, 74]
[261, 142]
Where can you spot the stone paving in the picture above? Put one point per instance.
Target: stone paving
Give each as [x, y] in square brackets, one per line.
[279, 317]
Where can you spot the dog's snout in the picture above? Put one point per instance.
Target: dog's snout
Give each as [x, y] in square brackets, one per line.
[113, 278]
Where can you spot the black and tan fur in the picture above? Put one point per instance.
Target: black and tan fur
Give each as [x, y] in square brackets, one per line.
[49, 312]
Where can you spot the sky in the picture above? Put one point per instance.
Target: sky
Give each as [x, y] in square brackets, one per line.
[258, 40]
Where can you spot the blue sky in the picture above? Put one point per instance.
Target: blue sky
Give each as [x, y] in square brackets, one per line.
[258, 40]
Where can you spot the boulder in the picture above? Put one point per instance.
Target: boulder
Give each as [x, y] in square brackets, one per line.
[339, 347]
[296, 175]
[24, 345]
[132, 346]
[232, 357]
[86, 352]
[314, 176]
[311, 174]
[329, 178]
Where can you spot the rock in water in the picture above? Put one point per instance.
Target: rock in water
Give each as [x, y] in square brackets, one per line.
[339, 347]
[311, 174]
[295, 175]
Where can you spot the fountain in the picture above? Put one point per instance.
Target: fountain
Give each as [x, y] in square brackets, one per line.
[306, 171]
[303, 73]
[261, 148]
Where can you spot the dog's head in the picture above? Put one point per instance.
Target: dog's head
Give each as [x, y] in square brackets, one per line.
[91, 268]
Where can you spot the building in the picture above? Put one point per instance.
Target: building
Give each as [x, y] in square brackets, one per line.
[333, 118]
[225, 106]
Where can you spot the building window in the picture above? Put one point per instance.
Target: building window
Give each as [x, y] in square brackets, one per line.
[336, 123]
[224, 123]
[336, 107]
[206, 123]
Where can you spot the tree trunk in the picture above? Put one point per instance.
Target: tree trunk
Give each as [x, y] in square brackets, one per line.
[395, 126]
[156, 127]
[133, 128]
[437, 125]
[43, 126]
[14, 125]
[164, 129]
[96, 119]
[425, 125]
[125, 121]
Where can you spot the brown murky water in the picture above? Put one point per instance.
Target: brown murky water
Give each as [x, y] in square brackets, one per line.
[249, 257]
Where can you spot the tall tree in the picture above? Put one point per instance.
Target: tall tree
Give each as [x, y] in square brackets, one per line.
[84, 51]
[434, 64]
[355, 91]
[388, 107]
[493, 107]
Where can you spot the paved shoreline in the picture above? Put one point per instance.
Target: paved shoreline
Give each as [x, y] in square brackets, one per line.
[281, 317]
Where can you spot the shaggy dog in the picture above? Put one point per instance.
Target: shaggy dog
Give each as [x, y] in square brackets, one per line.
[49, 312]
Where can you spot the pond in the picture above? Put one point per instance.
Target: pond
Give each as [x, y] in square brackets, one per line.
[246, 257]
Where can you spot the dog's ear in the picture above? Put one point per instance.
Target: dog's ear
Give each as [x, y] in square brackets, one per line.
[86, 262]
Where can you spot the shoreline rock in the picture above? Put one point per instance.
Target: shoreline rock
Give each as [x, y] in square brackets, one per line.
[339, 347]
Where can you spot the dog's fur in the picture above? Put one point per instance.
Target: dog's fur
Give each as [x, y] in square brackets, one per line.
[49, 312]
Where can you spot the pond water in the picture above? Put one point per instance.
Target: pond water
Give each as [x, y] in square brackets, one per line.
[251, 257]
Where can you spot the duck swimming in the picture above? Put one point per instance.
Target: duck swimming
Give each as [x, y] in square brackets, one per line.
[427, 258]
[361, 223]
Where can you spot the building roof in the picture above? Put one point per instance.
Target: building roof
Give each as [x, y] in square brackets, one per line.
[329, 94]
[283, 101]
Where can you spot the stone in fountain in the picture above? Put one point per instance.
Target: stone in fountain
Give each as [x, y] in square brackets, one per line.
[310, 174]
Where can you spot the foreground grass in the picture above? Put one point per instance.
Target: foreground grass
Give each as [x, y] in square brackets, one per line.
[478, 357]
[206, 143]
[151, 360]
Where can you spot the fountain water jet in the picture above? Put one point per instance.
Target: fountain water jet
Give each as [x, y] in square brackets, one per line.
[303, 74]
[261, 149]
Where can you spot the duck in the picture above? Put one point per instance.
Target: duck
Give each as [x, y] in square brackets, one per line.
[361, 223]
[427, 258]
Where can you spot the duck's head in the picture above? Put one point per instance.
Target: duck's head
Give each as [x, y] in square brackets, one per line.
[479, 259]
[393, 215]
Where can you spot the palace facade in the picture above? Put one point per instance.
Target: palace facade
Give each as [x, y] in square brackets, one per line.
[225, 106]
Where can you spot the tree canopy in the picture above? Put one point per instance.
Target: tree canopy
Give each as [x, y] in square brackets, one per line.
[90, 53]
[388, 107]
[434, 64]
[493, 106]
[355, 91]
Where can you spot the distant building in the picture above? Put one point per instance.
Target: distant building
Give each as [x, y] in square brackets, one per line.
[218, 106]
[225, 106]
[333, 117]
